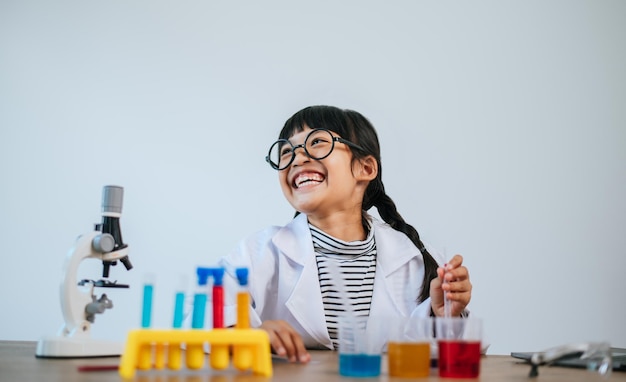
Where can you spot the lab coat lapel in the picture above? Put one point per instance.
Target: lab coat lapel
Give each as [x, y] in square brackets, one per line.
[305, 302]
[394, 250]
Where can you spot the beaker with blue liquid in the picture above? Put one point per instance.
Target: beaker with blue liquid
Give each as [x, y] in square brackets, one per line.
[360, 346]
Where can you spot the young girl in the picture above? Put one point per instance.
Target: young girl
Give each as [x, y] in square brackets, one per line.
[334, 256]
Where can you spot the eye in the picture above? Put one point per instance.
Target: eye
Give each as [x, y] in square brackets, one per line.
[286, 151]
[319, 138]
[316, 141]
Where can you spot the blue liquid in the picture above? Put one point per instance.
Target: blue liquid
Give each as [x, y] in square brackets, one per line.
[199, 306]
[178, 310]
[359, 365]
[146, 313]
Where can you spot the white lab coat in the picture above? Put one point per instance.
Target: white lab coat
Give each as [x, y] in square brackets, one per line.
[284, 282]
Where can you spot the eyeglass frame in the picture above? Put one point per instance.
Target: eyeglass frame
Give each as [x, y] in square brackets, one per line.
[303, 146]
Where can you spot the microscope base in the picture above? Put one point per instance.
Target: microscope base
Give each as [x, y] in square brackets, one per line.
[65, 347]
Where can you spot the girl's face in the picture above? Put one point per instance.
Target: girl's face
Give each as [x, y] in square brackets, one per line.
[322, 187]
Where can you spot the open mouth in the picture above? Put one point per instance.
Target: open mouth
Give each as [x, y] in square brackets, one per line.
[307, 179]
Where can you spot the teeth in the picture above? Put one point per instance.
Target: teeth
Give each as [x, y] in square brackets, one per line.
[307, 178]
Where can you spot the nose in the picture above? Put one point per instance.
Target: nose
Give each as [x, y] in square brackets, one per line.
[303, 157]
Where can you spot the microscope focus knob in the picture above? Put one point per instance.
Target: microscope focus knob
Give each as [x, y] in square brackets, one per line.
[103, 243]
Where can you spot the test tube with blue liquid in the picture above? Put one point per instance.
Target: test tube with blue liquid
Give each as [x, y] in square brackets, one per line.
[200, 298]
[174, 351]
[195, 353]
[145, 354]
[148, 291]
[179, 303]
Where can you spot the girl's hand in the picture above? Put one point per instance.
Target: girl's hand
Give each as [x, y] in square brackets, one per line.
[458, 287]
[285, 341]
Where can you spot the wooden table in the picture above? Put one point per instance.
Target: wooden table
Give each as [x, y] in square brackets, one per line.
[18, 363]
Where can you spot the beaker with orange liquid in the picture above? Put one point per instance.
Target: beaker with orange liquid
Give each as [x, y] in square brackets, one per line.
[408, 348]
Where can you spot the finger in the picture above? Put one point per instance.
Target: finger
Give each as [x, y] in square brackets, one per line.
[439, 279]
[436, 292]
[455, 262]
[273, 328]
[455, 293]
[457, 286]
[277, 344]
[462, 299]
[436, 288]
[457, 274]
[441, 273]
[462, 296]
[301, 353]
[287, 341]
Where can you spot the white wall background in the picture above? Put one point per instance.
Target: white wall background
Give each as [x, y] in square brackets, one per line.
[503, 127]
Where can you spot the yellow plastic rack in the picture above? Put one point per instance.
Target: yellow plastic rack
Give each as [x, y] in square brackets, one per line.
[146, 349]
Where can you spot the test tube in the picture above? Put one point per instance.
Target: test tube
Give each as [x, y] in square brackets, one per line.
[199, 299]
[145, 351]
[243, 299]
[242, 354]
[179, 303]
[218, 298]
[195, 353]
[219, 353]
[174, 353]
[148, 290]
[447, 305]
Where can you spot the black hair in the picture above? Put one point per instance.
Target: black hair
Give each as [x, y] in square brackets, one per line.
[354, 127]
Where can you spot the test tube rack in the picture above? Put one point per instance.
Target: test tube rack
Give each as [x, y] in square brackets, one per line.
[146, 349]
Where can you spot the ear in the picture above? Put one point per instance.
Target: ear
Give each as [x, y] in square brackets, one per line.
[367, 168]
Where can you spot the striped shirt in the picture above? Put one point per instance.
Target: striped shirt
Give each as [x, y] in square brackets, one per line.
[348, 267]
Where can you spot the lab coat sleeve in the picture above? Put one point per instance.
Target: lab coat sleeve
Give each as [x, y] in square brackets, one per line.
[422, 309]
[231, 288]
[249, 254]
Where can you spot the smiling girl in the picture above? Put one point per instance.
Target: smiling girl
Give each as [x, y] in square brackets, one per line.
[329, 169]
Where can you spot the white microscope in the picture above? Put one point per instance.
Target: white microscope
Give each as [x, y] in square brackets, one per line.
[78, 301]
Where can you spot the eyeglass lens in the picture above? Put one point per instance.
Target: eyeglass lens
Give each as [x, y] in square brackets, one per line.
[318, 144]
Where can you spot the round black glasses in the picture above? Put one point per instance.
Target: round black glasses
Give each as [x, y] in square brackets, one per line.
[318, 144]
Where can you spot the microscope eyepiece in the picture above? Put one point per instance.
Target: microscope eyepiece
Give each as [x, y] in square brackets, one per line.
[112, 200]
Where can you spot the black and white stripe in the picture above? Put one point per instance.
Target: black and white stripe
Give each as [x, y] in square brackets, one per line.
[346, 275]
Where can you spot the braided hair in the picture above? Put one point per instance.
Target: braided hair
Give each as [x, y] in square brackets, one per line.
[354, 127]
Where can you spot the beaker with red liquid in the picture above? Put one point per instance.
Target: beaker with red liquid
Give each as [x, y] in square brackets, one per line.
[459, 345]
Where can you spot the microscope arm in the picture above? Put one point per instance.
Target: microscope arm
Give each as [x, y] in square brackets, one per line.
[74, 297]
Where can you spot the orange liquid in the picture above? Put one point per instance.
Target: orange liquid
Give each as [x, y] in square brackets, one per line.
[409, 360]
[242, 354]
[243, 314]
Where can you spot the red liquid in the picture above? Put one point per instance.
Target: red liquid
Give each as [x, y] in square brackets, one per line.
[218, 306]
[459, 359]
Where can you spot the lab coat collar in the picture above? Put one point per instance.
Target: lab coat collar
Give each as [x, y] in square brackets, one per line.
[296, 243]
[294, 240]
[305, 303]
[394, 249]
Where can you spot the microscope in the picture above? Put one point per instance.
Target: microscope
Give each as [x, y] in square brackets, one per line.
[79, 303]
